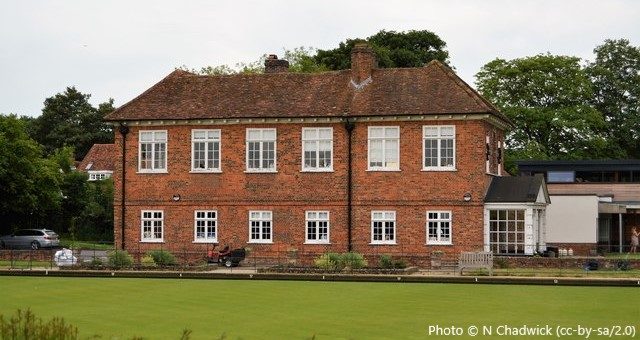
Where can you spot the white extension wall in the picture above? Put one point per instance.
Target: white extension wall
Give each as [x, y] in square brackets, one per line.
[572, 219]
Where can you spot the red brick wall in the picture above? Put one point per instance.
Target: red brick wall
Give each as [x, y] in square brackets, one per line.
[289, 192]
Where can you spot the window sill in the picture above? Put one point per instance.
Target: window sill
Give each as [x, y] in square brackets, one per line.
[260, 242]
[153, 172]
[313, 170]
[151, 241]
[439, 243]
[206, 242]
[383, 244]
[205, 171]
[260, 171]
[317, 243]
[383, 170]
[439, 169]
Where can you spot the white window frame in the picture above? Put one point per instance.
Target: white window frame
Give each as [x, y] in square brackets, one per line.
[384, 140]
[439, 220]
[262, 217]
[154, 143]
[318, 139]
[262, 140]
[216, 138]
[209, 222]
[314, 216]
[99, 175]
[148, 237]
[439, 138]
[387, 216]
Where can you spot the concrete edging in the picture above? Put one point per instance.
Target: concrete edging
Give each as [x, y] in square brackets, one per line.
[550, 281]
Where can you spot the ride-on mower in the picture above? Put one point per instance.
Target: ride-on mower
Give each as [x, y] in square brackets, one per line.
[226, 256]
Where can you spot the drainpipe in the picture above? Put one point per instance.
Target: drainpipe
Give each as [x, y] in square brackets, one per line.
[124, 130]
[620, 234]
[349, 126]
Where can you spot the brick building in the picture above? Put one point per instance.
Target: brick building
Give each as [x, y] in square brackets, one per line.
[367, 159]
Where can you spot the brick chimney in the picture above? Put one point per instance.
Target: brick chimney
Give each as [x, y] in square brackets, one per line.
[363, 60]
[274, 65]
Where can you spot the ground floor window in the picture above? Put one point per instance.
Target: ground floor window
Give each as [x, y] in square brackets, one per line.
[206, 223]
[317, 227]
[260, 226]
[152, 225]
[506, 231]
[383, 227]
[438, 227]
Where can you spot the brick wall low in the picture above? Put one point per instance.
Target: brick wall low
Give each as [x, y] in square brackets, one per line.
[579, 249]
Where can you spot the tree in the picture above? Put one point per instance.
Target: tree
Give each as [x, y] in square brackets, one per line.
[615, 75]
[28, 182]
[548, 99]
[393, 49]
[68, 119]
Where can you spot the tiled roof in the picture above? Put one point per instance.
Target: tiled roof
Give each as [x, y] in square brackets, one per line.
[100, 157]
[524, 189]
[433, 89]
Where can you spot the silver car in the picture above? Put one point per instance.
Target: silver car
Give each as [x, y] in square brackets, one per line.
[30, 238]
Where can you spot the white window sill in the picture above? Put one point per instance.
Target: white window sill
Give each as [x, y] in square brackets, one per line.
[440, 169]
[151, 241]
[260, 171]
[433, 243]
[206, 241]
[260, 242]
[205, 171]
[152, 172]
[319, 243]
[383, 170]
[317, 170]
[378, 243]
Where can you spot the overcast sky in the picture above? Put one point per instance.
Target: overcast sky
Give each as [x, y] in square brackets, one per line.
[118, 49]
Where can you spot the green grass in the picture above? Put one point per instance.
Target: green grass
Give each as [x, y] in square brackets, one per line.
[162, 308]
[6, 264]
[567, 272]
[69, 244]
[623, 256]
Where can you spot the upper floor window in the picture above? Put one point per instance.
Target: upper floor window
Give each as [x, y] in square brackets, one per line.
[152, 151]
[205, 150]
[261, 150]
[99, 175]
[317, 227]
[317, 149]
[206, 224]
[438, 227]
[384, 148]
[439, 147]
[383, 227]
[152, 222]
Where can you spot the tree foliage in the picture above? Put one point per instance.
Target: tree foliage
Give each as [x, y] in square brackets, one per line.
[68, 119]
[393, 49]
[615, 74]
[29, 183]
[548, 99]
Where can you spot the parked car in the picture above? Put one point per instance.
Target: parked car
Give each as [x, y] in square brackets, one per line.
[30, 238]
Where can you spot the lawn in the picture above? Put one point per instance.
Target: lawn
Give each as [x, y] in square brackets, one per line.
[212, 309]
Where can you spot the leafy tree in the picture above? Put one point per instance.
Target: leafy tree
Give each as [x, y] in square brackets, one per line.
[68, 119]
[393, 49]
[548, 99]
[28, 182]
[615, 75]
[95, 221]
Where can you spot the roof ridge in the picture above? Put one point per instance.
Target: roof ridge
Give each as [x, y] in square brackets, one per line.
[173, 74]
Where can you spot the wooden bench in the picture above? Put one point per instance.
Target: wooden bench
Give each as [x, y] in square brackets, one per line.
[469, 260]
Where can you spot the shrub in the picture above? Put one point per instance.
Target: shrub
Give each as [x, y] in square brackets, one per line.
[25, 325]
[162, 257]
[387, 262]
[328, 261]
[147, 261]
[96, 262]
[501, 262]
[352, 260]
[120, 258]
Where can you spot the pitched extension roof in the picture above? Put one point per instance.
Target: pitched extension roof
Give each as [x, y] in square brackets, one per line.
[99, 158]
[432, 89]
[524, 189]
